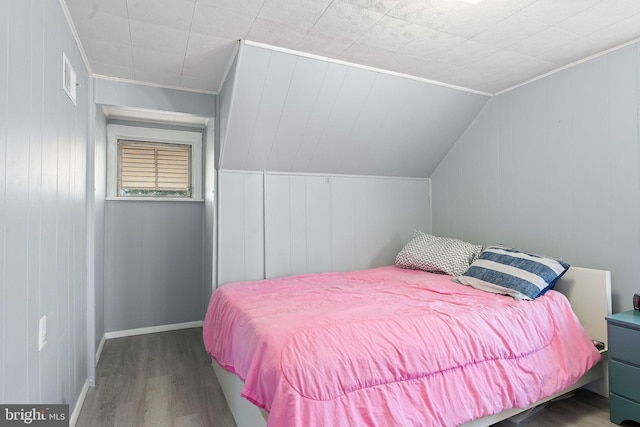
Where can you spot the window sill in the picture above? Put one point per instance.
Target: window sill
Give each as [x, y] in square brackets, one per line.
[153, 199]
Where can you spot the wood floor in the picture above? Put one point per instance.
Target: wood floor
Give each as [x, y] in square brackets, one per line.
[166, 379]
[156, 380]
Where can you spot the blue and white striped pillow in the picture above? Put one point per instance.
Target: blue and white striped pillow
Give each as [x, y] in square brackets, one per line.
[508, 271]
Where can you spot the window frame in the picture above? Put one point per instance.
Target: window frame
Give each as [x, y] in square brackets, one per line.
[153, 135]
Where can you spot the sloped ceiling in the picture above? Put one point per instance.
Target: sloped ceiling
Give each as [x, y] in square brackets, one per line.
[284, 112]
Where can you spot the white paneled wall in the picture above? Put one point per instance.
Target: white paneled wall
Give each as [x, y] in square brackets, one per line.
[240, 226]
[314, 223]
[554, 167]
[43, 146]
[289, 113]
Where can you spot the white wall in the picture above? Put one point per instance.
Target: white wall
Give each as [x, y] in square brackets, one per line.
[554, 167]
[240, 226]
[282, 224]
[43, 146]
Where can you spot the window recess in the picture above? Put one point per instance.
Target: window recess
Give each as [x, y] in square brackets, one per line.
[153, 164]
[153, 169]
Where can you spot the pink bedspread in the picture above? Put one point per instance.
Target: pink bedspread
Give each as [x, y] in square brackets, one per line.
[391, 347]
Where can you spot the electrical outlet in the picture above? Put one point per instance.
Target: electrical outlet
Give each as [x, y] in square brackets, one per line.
[42, 333]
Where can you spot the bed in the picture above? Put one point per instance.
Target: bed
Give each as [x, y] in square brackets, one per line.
[415, 348]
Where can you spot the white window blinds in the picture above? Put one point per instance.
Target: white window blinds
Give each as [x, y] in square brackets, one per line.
[154, 169]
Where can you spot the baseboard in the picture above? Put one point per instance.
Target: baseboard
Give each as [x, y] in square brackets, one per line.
[100, 347]
[73, 419]
[152, 329]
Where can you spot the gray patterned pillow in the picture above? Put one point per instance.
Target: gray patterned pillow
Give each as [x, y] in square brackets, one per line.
[437, 254]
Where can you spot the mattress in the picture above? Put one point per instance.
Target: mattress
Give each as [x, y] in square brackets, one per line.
[391, 346]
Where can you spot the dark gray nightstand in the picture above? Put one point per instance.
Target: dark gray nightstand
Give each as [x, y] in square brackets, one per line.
[623, 330]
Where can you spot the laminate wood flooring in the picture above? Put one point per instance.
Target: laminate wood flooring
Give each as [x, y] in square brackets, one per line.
[166, 379]
[584, 409]
[156, 380]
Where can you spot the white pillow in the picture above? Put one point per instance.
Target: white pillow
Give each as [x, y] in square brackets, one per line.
[437, 254]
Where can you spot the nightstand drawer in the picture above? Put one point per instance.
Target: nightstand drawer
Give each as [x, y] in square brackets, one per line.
[624, 344]
[624, 380]
[621, 409]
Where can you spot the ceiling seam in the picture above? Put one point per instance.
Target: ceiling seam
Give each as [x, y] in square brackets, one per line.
[186, 48]
[319, 17]
[133, 64]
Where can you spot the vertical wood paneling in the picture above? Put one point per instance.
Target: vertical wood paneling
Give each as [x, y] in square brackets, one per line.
[35, 191]
[252, 73]
[529, 157]
[298, 225]
[345, 110]
[154, 268]
[492, 165]
[567, 151]
[278, 245]
[338, 223]
[4, 85]
[302, 95]
[253, 227]
[50, 378]
[559, 171]
[299, 115]
[590, 130]
[343, 224]
[231, 259]
[455, 190]
[210, 195]
[318, 215]
[363, 223]
[350, 126]
[508, 171]
[440, 197]
[240, 227]
[274, 96]
[379, 210]
[43, 212]
[159, 266]
[331, 83]
[225, 105]
[123, 280]
[15, 347]
[624, 152]
[100, 176]
[473, 202]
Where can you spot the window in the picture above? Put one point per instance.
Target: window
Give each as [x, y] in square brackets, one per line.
[153, 169]
[146, 163]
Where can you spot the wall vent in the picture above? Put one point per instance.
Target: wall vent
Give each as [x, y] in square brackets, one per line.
[69, 78]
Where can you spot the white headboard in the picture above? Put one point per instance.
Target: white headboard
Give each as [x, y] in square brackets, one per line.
[589, 292]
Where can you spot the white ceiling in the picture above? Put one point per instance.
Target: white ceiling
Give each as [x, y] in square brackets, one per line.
[487, 47]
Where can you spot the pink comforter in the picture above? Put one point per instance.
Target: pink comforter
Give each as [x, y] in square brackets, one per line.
[391, 347]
